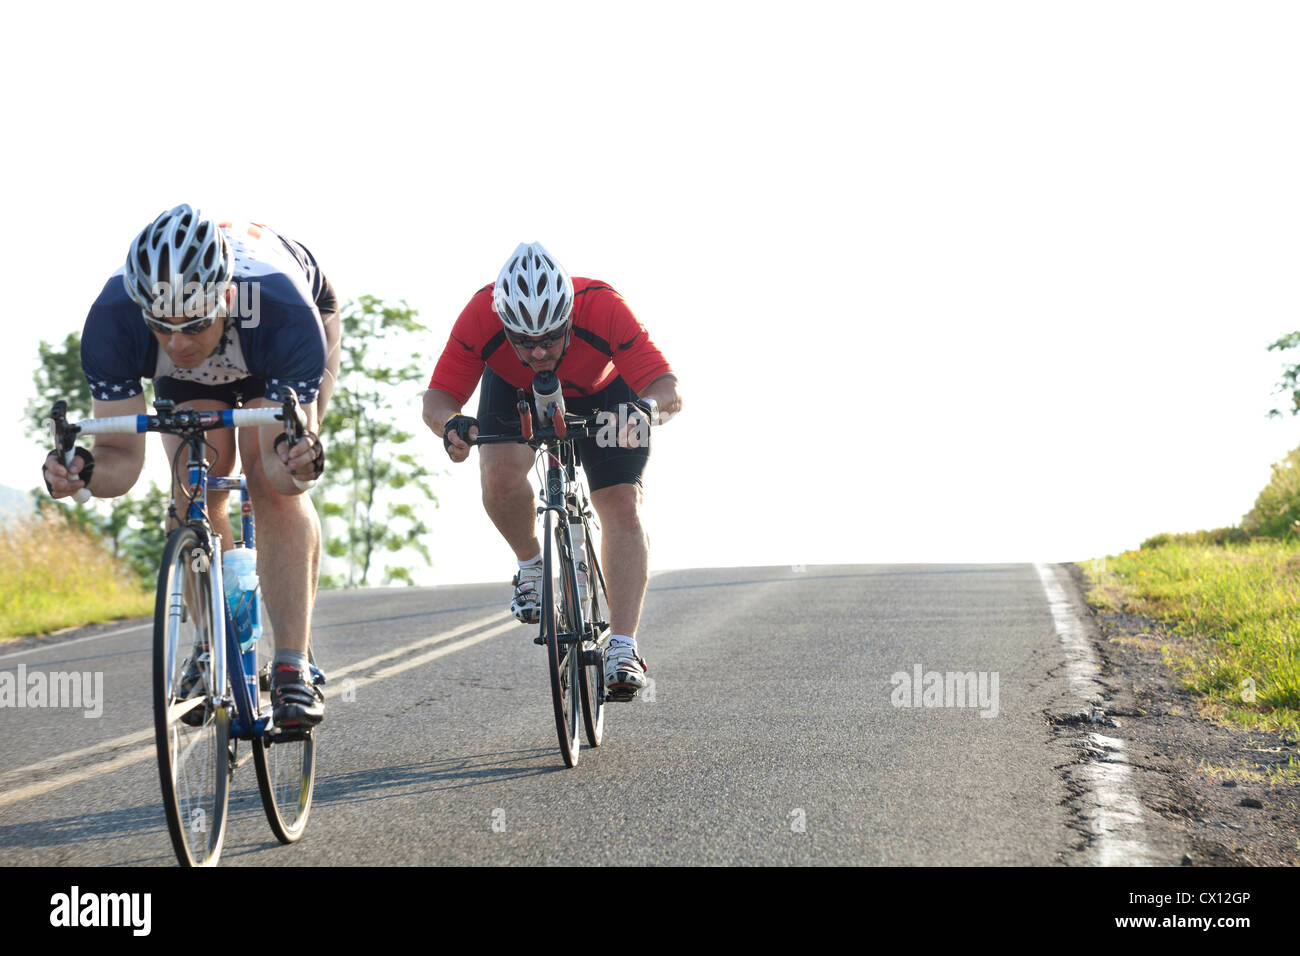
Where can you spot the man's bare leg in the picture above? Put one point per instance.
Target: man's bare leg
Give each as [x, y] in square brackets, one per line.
[288, 538]
[508, 497]
[624, 555]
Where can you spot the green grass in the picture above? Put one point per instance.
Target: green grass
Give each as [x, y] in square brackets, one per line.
[1282, 776]
[1235, 612]
[54, 576]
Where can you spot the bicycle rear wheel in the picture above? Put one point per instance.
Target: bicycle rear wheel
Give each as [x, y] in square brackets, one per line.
[564, 660]
[191, 721]
[286, 777]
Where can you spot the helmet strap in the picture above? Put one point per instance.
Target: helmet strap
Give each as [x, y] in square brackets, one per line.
[568, 340]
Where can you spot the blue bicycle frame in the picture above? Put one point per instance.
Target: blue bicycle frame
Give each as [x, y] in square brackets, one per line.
[246, 723]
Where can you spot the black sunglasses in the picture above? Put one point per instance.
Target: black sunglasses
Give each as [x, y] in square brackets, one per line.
[192, 327]
[529, 343]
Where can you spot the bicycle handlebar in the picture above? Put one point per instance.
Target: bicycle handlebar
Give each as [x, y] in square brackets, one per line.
[570, 427]
[182, 422]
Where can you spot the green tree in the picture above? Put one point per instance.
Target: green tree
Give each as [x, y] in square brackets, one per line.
[58, 377]
[132, 525]
[1277, 509]
[1290, 381]
[374, 483]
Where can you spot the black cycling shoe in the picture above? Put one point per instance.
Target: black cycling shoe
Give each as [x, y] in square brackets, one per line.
[296, 702]
[264, 676]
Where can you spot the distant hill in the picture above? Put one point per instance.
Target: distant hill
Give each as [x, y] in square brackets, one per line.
[14, 503]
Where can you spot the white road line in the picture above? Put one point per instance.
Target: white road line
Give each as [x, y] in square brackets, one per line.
[76, 640]
[142, 735]
[370, 662]
[1113, 813]
[75, 776]
[80, 774]
[50, 763]
[406, 665]
[1116, 820]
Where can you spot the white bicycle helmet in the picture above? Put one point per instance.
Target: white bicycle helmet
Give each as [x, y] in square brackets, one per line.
[179, 249]
[533, 294]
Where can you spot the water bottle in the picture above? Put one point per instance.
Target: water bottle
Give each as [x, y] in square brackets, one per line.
[580, 566]
[547, 391]
[239, 571]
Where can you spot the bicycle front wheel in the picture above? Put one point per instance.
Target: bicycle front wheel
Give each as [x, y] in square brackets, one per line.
[191, 717]
[564, 659]
[286, 776]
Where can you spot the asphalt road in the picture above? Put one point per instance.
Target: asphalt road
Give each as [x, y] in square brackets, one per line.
[773, 734]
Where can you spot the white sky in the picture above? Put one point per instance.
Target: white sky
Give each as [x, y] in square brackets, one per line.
[941, 281]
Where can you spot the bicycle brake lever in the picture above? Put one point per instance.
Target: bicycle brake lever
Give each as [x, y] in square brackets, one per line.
[65, 443]
[525, 418]
[295, 423]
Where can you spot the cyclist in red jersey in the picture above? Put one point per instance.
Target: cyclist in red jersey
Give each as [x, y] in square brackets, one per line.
[534, 318]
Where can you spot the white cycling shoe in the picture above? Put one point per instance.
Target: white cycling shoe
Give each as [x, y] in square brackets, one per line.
[624, 671]
[527, 603]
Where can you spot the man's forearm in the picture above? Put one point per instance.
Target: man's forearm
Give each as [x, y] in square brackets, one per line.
[438, 407]
[116, 471]
[664, 392]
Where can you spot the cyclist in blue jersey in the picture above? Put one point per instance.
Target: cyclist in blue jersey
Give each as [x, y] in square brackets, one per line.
[221, 316]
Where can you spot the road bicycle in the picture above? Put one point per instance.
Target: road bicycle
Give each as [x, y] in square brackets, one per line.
[209, 693]
[573, 631]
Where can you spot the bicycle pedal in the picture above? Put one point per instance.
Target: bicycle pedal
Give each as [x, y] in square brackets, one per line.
[284, 735]
[539, 640]
[620, 697]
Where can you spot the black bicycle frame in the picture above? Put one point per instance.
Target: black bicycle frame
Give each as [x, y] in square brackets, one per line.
[558, 498]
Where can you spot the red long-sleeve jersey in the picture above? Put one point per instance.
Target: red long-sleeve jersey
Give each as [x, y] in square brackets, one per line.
[608, 342]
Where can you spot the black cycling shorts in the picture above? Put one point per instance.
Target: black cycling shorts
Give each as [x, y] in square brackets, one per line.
[604, 466]
[235, 394]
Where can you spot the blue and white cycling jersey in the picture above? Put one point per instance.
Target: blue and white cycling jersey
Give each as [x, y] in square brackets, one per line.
[278, 335]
